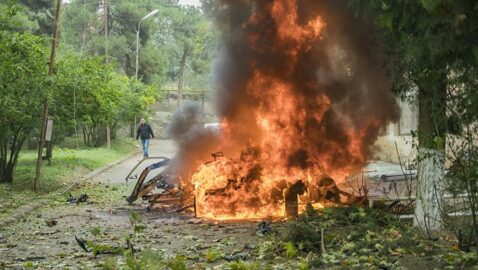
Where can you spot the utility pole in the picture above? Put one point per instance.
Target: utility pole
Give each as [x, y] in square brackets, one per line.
[105, 7]
[51, 71]
[105, 3]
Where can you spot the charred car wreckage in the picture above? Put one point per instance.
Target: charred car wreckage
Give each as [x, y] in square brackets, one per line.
[164, 192]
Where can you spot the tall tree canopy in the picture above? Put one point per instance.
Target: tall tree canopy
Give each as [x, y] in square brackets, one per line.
[433, 49]
[163, 38]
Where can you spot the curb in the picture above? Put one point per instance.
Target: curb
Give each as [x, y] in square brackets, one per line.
[25, 210]
[21, 212]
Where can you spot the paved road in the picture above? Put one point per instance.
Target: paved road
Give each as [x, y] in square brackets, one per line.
[117, 173]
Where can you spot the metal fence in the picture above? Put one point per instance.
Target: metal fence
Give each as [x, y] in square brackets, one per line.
[170, 98]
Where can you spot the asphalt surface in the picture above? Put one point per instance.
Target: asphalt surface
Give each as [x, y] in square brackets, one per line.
[117, 173]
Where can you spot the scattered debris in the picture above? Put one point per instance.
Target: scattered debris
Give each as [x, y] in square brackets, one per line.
[291, 198]
[77, 200]
[97, 249]
[184, 208]
[141, 189]
[195, 221]
[81, 243]
[242, 256]
[163, 184]
[33, 258]
[51, 222]
[250, 246]
[263, 228]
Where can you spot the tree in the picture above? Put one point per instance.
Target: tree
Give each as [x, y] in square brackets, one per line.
[100, 96]
[97, 91]
[190, 42]
[39, 12]
[15, 17]
[164, 39]
[136, 101]
[84, 28]
[22, 91]
[428, 42]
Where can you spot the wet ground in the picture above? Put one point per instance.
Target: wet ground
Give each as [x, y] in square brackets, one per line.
[37, 241]
[46, 238]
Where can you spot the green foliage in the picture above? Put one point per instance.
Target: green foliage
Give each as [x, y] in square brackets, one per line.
[303, 264]
[241, 265]
[16, 17]
[146, 259]
[95, 230]
[28, 265]
[461, 260]
[185, 30]
[65, 169]
[110, 264]
[7, 12]
[136, 102]
[353, 237]
[134, 218]
[290, 250]
[101, 97]
[212, 255]
[176, 263]
[23, 88]
[162, 38]
[97, 249]
[432, 53]
[432, 50]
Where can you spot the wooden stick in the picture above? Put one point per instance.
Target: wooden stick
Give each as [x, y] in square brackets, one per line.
[322, 244]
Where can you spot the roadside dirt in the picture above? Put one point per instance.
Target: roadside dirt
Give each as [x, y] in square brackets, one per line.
[36, 241]
[45, 239]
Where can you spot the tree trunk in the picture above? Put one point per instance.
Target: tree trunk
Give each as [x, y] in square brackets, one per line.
[84, 135]
[3, 160]
[9, 156]
[431, 155]
[132, 130]
[181, 73]
[51, 71]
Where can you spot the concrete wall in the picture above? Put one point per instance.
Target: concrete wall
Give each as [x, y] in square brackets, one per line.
[399, 136]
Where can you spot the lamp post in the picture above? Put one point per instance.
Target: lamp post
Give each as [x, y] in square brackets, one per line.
[152, 13]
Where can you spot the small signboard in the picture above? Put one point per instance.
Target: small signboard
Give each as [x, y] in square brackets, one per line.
[49, 130]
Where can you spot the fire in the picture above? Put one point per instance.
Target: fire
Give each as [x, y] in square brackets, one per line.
[287, 126]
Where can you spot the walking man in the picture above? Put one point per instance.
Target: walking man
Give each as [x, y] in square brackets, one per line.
[145, 132]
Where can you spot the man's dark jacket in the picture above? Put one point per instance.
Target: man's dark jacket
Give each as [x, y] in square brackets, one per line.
[145, 132]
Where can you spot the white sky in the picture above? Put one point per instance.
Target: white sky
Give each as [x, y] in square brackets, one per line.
[190, 2]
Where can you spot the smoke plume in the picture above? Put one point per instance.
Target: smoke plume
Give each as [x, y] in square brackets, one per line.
[301, 79]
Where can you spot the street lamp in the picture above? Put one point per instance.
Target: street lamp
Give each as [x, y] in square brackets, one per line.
[152, 13]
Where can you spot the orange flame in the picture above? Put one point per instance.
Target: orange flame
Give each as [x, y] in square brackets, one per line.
[280, 153]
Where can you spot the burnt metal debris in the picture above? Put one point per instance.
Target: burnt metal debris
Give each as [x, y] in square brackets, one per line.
[174, 198]
[263, 228]
[141, 189]
[170, 196]
[77, 200]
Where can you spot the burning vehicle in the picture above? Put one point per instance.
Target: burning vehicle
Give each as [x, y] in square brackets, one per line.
[297, 88]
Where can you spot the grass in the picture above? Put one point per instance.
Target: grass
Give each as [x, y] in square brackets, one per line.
[68, 164]
[361, 238]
